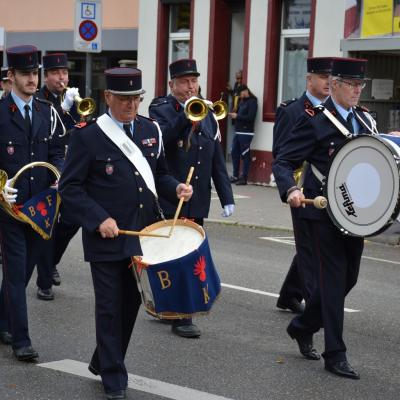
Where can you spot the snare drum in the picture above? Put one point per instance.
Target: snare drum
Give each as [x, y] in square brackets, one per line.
[176, 276]
[362, 185]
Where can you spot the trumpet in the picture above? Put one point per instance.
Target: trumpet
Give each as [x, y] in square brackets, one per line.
[84, 107]
[197, 109]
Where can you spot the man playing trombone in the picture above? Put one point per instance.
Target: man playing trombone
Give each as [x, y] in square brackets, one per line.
[191, 138]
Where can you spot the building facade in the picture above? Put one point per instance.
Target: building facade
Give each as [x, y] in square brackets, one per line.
[49, 25]
[270, 40]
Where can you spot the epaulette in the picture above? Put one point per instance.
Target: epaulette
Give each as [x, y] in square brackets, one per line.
[158, 101]
[44, 101]
[82, 124]
[148, 118]
[315, 110]
[287, 102]
[361, 108]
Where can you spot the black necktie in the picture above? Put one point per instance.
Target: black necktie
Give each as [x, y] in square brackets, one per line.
[349, 120]
[27, 119]
[127, 129]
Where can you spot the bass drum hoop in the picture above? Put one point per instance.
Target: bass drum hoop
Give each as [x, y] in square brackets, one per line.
[328, 188]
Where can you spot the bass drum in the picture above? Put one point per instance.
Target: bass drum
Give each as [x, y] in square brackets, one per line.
[362, 185]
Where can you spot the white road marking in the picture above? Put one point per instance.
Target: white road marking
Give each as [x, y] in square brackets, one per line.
[235, 196]
[256, 291]
[153, 386]
[290, 240]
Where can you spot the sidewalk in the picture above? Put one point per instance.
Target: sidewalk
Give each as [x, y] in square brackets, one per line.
[260, 206]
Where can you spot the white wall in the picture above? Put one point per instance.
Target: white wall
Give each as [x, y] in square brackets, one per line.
[329, 28]
[147, 50]
[201, 32]
[256, 71]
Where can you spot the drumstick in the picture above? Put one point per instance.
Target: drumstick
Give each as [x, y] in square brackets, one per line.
[319, 202]
[137, 233]
[178, 210]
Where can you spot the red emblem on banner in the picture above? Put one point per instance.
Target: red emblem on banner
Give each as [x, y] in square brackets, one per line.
[200, 268]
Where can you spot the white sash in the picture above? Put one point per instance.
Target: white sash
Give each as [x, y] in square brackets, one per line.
[130, 150]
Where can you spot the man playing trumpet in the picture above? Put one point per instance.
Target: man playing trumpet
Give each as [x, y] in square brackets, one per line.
[189, 144]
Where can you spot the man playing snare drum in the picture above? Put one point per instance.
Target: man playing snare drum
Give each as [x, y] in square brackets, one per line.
[315, 137]
[109, 183]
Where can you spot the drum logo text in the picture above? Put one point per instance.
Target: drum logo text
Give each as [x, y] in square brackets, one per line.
[348, 203]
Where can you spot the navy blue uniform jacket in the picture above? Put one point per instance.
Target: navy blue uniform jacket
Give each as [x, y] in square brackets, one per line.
[17, 149]
[286, 117]
[313, 139]
[246, 115]
[99, 182]
[204, 154]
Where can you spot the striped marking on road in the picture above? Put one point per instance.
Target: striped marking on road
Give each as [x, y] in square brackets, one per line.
[290, 240]
[143, 384]
[256, 291]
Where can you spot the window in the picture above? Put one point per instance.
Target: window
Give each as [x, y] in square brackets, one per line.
[294, 46]
[179, 34]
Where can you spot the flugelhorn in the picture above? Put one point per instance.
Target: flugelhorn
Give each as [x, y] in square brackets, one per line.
[197, 109]
[7, 207]
[85, 106]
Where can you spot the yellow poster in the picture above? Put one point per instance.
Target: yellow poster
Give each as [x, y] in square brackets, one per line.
[377, 18]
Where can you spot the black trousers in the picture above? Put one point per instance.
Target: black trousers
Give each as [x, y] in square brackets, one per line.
[300, 279]
[117, 302]
[21, 248]
[63, 234]
[337, 261]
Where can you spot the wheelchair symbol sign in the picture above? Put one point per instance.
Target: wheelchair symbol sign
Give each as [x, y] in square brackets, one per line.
[88, 11]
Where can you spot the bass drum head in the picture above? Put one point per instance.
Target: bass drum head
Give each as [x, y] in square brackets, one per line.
[362, 186]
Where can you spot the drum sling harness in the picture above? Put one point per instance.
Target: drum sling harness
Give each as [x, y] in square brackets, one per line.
[344, 131]
[129, 149]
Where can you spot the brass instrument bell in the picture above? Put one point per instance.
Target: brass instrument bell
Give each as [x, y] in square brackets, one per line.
[85, 106]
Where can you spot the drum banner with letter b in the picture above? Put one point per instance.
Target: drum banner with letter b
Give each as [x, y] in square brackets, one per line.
[183, 285]
[40, 212]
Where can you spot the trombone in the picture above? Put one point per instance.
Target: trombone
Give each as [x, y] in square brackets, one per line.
[84, 107]
[197, 109]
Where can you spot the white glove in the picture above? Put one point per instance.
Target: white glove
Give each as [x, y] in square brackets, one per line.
[228, 210]
[9, 193]
[69, 97]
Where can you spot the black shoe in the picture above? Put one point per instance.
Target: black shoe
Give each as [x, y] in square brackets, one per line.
[233, 179]
[45, 294]
[305, 342]
[56, 277]
[291, 304]
[342, 368]
[5, 337]
[119, 394]
[93, 370]
[241, 181]
[26, 353]
[186, 331]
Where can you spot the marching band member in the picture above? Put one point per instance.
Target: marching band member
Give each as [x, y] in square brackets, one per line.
[112, 169]
[299, 280]
[5, 83]
[191, 144]
[55, 68]
[25, 127]
[336, 256]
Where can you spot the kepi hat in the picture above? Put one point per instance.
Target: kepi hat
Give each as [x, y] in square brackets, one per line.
[124, 80]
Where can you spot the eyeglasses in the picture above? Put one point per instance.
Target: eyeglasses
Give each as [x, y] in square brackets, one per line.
[353, 85]
[128, 99]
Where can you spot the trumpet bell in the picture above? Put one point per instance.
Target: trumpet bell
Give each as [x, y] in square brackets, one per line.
[85, 106]
[195, 109]
[3, 179]
[220, 109]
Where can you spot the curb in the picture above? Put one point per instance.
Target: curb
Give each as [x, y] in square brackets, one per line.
[387, 239]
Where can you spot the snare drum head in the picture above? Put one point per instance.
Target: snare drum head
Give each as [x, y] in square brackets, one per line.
[186, 237]
[362, 186]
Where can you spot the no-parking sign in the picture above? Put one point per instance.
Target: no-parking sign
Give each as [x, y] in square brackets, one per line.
[88, 23]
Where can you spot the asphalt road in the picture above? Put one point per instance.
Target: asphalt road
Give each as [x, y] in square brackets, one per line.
[244, 352]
